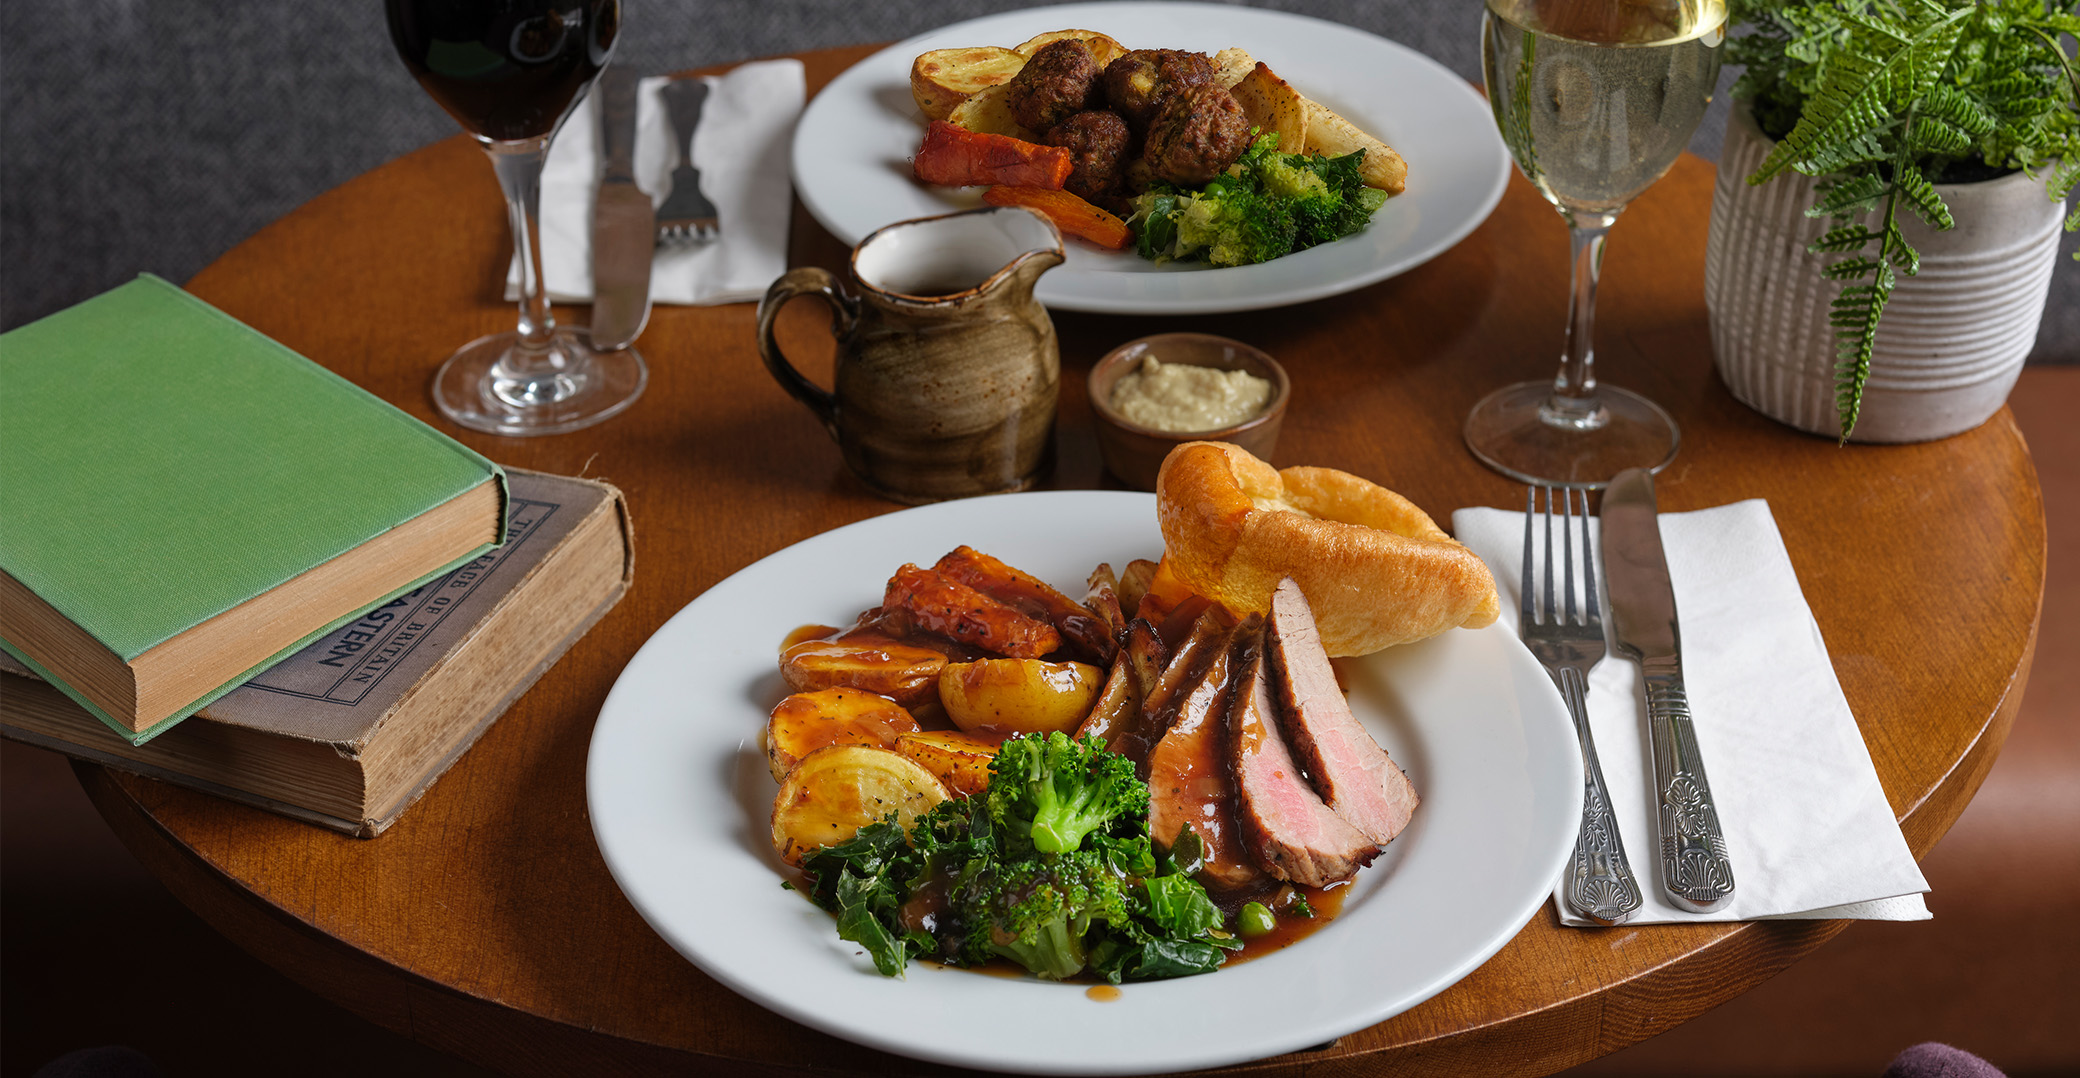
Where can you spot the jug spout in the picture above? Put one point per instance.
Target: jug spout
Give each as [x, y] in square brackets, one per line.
[956, 257]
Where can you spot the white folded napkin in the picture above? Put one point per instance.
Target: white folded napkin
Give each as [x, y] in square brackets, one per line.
[1808, 829]
[741, 149]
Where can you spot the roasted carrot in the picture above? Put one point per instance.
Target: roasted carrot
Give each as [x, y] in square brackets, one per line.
[956, 157]
[1070, 213]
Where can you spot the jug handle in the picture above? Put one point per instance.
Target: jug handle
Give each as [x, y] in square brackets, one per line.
[805, 280]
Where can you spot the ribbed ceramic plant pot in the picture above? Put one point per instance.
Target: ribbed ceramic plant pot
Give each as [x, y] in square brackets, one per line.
[1953, 337]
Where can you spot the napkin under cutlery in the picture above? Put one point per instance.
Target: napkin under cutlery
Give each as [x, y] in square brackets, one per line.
[742, 153]
[1807, 823]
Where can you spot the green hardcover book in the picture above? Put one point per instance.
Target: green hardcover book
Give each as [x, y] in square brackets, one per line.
[184, 502]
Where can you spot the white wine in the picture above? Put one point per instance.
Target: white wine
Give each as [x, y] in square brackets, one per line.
[1596, 98]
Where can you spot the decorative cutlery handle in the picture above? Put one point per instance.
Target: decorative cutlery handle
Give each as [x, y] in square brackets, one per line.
[1694, 867]
[1600, 884]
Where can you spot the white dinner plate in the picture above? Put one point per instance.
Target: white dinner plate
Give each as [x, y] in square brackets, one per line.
[853, 144]
[680, 796]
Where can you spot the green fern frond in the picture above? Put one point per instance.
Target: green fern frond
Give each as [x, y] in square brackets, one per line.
[1856, 194]
[1882, 70]
[2065, 177]
[1855, 315]
[1849, 268]
[1902, 253]
[1934, 138]
[1922, 197]
[1861, 150]
[1845, 238]
[1951, 107]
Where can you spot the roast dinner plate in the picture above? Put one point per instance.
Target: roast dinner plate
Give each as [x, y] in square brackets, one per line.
[853, 144]
[680, 796]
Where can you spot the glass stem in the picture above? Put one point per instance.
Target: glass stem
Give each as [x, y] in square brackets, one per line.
[1573, 403]
[534, 371]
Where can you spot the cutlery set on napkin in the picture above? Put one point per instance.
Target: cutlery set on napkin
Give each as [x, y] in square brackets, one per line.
[669, 191]
[1793, 822]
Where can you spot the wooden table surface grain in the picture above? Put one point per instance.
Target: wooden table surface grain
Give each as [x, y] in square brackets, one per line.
[485, 923]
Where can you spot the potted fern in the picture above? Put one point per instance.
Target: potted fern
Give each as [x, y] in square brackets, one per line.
[1888, 205]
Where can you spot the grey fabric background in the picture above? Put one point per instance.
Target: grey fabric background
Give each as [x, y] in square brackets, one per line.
[154, 135]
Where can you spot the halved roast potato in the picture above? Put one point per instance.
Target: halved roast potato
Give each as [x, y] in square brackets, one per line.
[905, 673]
[943, 78]
[960, 760]
[1018, 696]
[1103, 48]
[835, 791]
[808, 721]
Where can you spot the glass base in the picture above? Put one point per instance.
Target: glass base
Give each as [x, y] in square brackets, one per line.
[493, 386]
[1514, 432]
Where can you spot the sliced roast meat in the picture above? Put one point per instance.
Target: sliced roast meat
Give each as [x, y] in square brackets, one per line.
[1350, 771]
[1117, 711]
[1285, 826]
[1189, 781]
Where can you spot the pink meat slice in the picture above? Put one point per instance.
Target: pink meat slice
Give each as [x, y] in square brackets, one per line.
[1351, 772]
[1189, 781]
[1284, 824]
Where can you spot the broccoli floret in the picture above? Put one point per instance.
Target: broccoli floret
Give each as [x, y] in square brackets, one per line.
[1041, 913]
[1056, 790]
[1266, 205]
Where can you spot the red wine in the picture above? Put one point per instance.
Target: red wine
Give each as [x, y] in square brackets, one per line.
[505, 69]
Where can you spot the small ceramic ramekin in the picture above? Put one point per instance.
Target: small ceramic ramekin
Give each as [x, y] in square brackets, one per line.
[1135, 453]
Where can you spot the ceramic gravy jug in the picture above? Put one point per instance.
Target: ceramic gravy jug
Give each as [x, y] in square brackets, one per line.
[947, 367]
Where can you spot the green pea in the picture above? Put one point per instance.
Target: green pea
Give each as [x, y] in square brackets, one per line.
[1256, 919]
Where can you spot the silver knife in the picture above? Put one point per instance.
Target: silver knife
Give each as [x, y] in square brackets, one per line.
[624, 224]
[1695, 871]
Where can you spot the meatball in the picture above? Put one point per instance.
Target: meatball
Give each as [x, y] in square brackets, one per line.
[1137, 84]
[1097, 142]
[1200, 132]
[1058, 81]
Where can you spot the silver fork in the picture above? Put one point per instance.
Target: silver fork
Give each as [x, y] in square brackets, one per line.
[686, 216]
[1599, 878]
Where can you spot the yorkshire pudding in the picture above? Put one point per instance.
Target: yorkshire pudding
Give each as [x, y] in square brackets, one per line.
[1376, 569]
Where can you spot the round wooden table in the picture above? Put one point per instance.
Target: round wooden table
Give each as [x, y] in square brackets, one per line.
[485, 924]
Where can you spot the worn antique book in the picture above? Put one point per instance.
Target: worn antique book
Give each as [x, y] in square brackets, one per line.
[184, 501]
[349, 731]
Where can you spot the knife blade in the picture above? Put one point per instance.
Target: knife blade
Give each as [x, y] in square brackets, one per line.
[624, 223]
[1695, 871]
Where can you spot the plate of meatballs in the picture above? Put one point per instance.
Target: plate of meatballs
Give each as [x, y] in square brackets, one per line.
[1151, 116]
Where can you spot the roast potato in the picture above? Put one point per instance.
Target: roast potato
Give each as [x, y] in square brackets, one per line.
[1018, 696]
[1230, 65]
[1333, 136]
[837, 790]
[961, 761]
[905, 673]
[808, 721]
[1271, 103]
[988, 111]
[943, 78]
[1103, 49]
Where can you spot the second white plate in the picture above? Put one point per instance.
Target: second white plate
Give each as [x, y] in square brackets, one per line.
[853, 144]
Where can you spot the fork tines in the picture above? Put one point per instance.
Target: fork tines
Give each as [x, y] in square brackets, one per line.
[1533, 612]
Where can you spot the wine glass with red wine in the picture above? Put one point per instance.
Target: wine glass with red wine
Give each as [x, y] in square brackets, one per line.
[510, 71]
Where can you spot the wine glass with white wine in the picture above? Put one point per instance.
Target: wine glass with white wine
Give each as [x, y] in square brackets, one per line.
[1595, 99]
